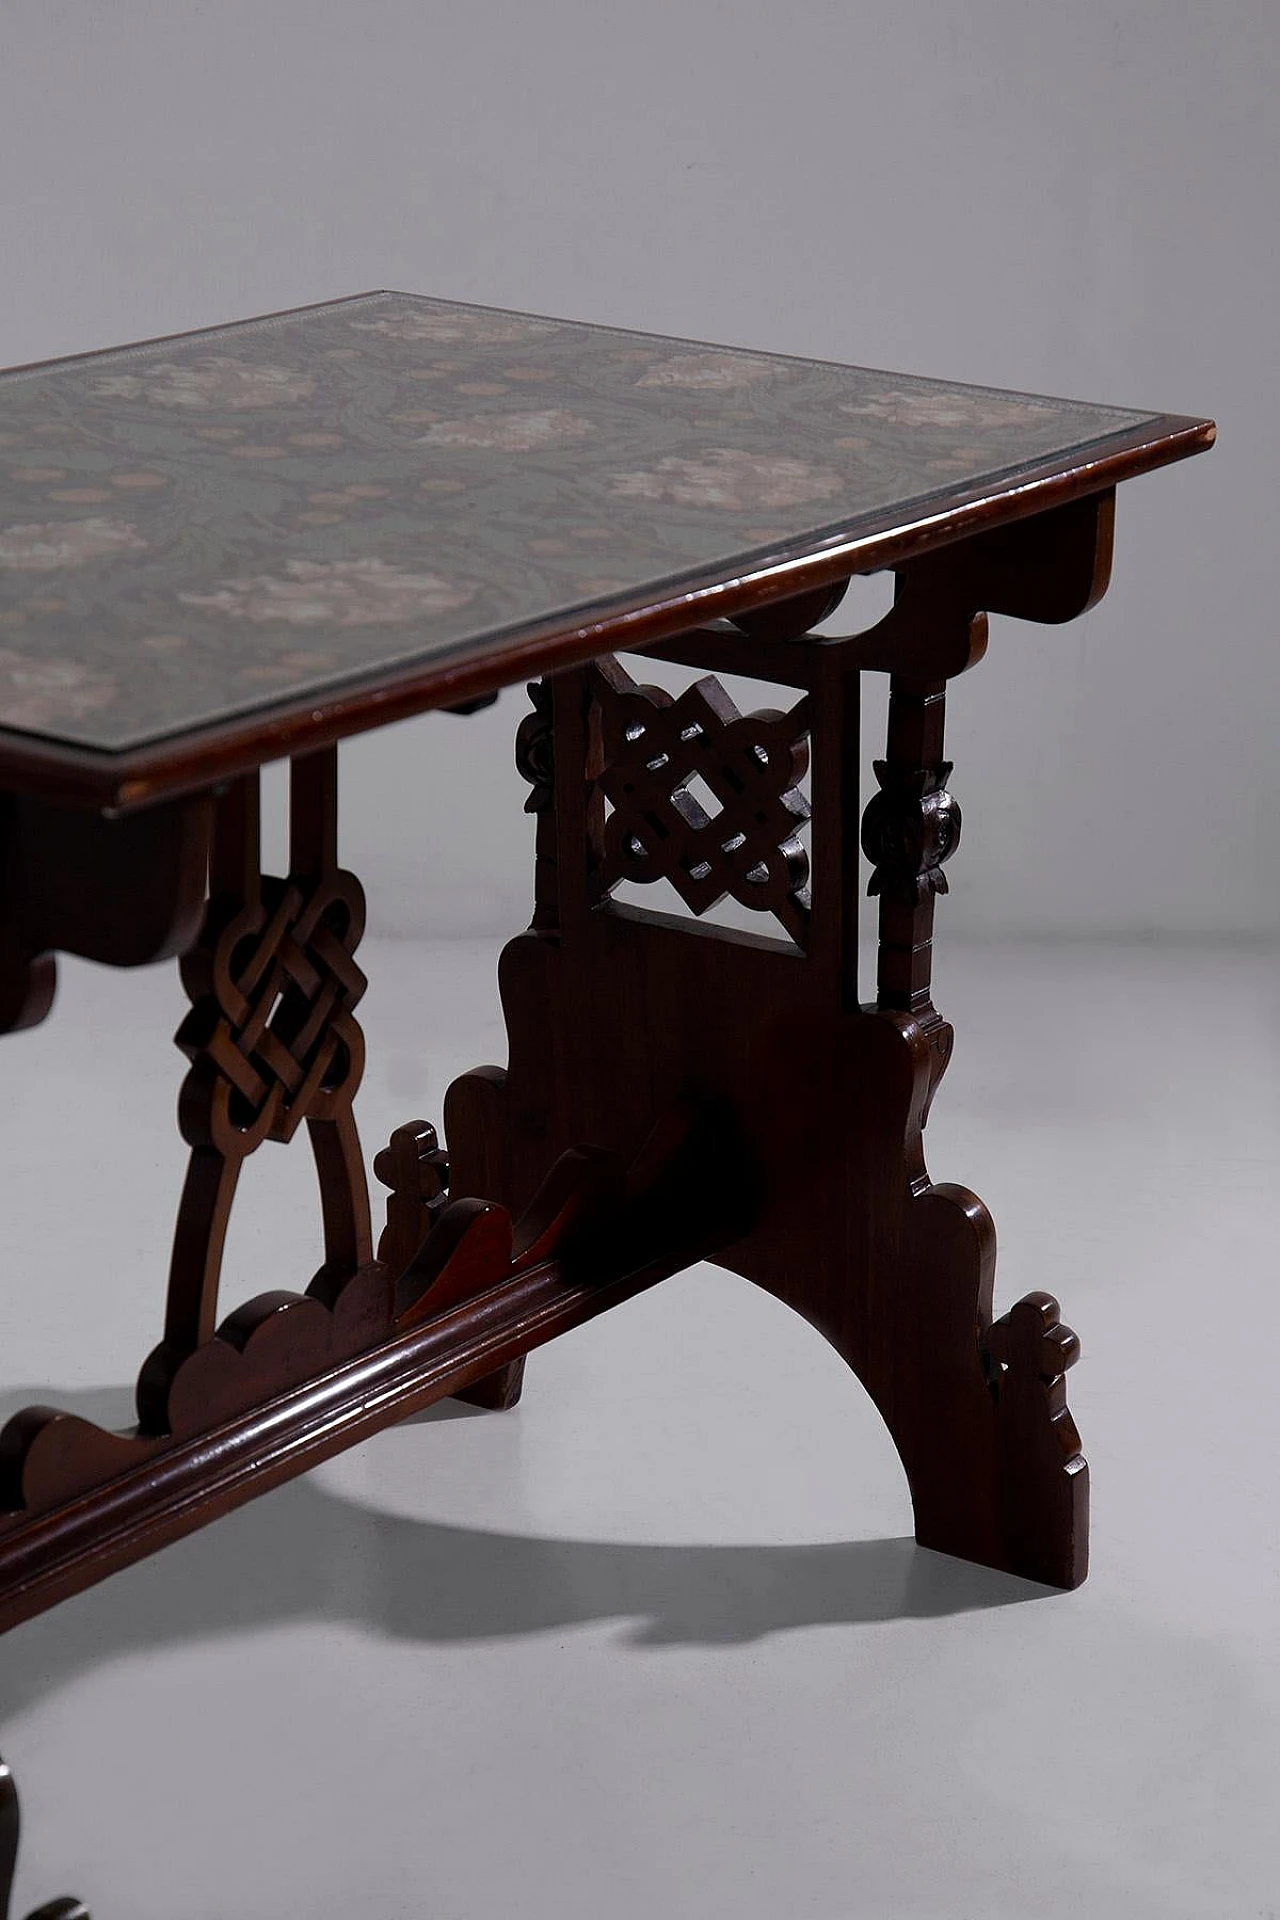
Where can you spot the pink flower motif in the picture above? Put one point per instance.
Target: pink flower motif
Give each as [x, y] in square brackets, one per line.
[209, 383]
[454, 326]
[943, 407]
[48, 691]
[49, 546]
[731, 478]
[710, 372]
[334, 593]
[509, 432]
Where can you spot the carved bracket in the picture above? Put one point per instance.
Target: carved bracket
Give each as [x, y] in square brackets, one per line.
[124, 892]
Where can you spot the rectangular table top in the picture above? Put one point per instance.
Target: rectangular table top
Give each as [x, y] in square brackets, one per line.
[249, 539]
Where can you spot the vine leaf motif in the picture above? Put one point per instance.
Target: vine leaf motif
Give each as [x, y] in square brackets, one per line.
[909, 828]
[744, 841]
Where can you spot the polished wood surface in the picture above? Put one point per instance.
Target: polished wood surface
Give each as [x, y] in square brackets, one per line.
[248, 542]
[122, 781]
[676, 1090]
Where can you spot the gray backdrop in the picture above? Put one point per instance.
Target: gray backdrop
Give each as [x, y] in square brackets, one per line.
[1076, 200]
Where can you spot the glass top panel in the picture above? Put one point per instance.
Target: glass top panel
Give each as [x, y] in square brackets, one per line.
[197, 527]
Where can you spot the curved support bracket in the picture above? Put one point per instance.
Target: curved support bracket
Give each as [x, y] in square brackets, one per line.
[123, 891]
[272, 1040]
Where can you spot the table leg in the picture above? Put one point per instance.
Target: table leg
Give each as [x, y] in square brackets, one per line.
[675, 1091]
[621, 1021]
[231, 1403]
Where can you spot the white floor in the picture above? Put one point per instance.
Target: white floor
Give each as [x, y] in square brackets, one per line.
[658, 1643]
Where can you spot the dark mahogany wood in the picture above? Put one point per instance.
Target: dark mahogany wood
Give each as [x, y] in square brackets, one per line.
[672, 1086]
[651, 750]
[272, 1041]
[484, 1292]
[121, 891]
[675, 1090]
[619, 1018]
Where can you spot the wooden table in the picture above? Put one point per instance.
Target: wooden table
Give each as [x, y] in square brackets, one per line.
[233, 546]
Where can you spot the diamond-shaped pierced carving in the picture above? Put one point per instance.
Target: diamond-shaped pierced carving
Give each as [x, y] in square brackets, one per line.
[704, 796]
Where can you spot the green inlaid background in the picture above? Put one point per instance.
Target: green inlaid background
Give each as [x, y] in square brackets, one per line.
[201, 526]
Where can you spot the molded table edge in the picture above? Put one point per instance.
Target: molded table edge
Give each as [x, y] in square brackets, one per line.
[197, 760]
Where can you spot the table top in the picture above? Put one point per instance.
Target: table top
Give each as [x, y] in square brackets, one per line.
[225, 545]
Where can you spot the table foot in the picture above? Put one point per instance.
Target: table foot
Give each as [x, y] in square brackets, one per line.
[414, 1167]
[826, 1115]
[976, 1407]
[497, 1392]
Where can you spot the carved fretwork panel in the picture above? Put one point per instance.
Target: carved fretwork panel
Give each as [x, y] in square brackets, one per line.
[272, 1040]
[746, 843]
[271, 1036]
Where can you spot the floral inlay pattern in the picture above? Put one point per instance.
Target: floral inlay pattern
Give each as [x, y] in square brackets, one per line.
[726, 477]
[334, 593]
[38, 693]
[944, 408]
[711, 372]
[510, 432]
[438, 325]
[264, 512]
[48, 546]
[213, 383]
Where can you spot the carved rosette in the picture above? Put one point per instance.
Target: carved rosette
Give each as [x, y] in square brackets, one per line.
[908, 830]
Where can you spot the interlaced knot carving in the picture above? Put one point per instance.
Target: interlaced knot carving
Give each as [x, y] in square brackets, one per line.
[655, 747]
[271, 1037]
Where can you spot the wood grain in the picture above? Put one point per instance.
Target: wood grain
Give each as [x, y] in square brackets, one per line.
[619, 1018]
